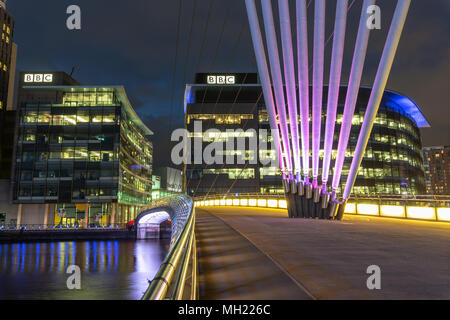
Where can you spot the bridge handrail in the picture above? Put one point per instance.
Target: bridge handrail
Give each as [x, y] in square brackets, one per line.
[182, 250]
[381, 197]
[28, 227]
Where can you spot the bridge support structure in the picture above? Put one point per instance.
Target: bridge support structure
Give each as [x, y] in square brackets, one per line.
[310, 199]
[305, 202]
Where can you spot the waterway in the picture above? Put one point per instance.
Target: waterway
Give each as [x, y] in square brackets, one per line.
[109, 270]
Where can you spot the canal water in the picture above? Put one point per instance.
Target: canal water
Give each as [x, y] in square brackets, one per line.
[110, 270]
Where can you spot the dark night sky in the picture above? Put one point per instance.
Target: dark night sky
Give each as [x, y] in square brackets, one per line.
[132, 43]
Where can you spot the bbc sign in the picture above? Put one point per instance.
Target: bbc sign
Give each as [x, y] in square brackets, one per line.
[221, 79]
[38, 78]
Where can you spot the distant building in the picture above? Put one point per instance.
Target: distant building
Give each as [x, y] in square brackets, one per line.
[393, 162]
[8, 56]
[81, 152]
[166, 181]
[437, 170]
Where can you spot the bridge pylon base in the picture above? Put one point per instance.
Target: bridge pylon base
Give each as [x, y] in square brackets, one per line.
[305, 202]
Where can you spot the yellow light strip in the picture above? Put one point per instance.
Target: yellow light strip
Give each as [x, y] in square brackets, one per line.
[262, 203]
[425, 213]
[393, 211]
[443, 214]
[367, 209]
[272, 203]
[350, 208]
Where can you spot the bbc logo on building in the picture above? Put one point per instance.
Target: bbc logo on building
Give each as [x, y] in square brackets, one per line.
[38, 78]
[221, 79]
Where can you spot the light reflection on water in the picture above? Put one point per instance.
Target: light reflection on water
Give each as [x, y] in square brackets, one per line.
[109, 269]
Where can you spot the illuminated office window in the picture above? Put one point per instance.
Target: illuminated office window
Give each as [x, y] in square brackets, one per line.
[233, 173]
[269, 171]
[44, 117]
[221, 118]
[30, 117]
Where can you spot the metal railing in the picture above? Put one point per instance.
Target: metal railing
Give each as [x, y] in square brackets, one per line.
[170, 282]
[412, 207]
[58, 227]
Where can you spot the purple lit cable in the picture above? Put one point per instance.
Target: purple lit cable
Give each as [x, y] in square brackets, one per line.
[277, 79]
[359, 57]
[303, 79]
[264, 75]
[384, 68]
[319, 46]
[334, 84]
[289, 75]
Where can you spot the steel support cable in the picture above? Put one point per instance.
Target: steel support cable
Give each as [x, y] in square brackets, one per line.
[290, 80]
[221, 89]
[264, 76]
[174, 70]
[205, 32]
[303, 78]
[330, 37]
[334, 85]
[219, 95]
[381, 78]
[220, 135]
[202, 47]
[248, 162]
[221, 35]
[277, 81]
[317, 83]
[303, 81]
[186, 63]
[359, 56]
[189, 44]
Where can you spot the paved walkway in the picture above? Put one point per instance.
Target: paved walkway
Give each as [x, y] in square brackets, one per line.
[230, 267]
[252, 254]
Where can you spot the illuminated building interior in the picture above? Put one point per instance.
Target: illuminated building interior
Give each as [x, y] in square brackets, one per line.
[392, 164]
[85, 151]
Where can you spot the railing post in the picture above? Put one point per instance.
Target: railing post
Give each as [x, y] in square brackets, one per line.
[194, 292]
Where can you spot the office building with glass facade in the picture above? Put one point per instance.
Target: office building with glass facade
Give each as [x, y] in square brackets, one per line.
[81, 152]
[8, 57]
[393, 163]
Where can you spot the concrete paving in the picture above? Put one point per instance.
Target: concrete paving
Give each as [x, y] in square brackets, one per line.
[245, 252]
[230, 267]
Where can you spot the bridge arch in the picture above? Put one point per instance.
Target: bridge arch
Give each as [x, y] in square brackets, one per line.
[148, 222]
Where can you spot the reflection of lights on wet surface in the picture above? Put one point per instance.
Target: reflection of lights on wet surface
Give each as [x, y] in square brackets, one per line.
[38, 270]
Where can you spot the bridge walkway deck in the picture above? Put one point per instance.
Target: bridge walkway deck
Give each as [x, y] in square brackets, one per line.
[261, 254]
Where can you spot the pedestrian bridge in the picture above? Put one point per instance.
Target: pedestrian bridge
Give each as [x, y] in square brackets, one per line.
[259, 253]
[247, 247]
[427, 208]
